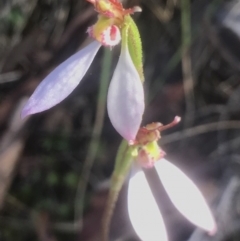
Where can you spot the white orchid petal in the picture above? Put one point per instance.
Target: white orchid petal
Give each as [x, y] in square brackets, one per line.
[126, 97]
[185, 196]
[143, 210]
[61, 81]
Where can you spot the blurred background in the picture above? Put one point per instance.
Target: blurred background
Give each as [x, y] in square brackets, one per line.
[55, 166]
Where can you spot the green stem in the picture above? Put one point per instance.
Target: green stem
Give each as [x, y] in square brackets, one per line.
[94, 143]
[186, 23]
[123, 163]
[188, 83]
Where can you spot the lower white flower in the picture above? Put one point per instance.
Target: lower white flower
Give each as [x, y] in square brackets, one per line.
[143, 210]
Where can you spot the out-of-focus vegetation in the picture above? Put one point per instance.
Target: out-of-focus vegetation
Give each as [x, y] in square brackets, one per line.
[45, 190]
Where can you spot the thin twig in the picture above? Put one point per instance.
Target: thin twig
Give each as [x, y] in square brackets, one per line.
[225, 147]
[201, 129]
[10, 77]
[11, 146]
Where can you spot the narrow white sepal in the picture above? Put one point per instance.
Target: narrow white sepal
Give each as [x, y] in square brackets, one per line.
[143, 211]
[185, 195]
[125, 101]
[61, 81]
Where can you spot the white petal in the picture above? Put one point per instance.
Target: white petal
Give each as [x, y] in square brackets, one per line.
[185, 196]
[126, 98]
[61, 81]
[143, 210]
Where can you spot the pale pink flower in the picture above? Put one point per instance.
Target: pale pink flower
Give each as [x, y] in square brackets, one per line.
[125, 95]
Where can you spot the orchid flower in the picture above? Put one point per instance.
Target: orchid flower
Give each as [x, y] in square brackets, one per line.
[142, 207]
[125, 102]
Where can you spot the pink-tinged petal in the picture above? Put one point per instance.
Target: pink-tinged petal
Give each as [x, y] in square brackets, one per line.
[185, 195]
[61, 81]
[105, 34]
[126, 98]
[143, 211]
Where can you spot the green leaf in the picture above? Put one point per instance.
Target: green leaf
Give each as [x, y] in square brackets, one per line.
[135, 45]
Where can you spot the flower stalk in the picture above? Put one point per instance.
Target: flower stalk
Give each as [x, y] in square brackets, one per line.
[95, 140]
[124, 161]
